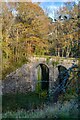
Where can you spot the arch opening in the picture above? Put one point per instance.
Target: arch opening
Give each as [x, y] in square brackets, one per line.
[63, 75]
[43, 77]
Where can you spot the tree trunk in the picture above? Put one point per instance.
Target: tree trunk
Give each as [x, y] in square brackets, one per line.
[62, 52]
[68, 52]
[58, 52]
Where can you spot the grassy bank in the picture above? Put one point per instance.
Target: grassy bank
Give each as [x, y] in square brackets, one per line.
[14, 102]
[32, 105]
[66, 110]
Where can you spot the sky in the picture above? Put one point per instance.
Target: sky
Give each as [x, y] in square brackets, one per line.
[51, 0]
[51, 7]
[37, 0]
[47, 5]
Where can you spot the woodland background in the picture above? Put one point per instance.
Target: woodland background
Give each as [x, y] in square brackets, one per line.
[27, 31]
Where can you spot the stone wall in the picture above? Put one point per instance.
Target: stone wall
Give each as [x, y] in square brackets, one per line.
[24, 79]
[18, 81]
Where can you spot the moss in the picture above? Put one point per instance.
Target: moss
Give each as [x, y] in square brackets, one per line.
[55, 63]
[38, 86]
[48, 59]
[43, 94]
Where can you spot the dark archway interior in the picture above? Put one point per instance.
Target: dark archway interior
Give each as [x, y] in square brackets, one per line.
[44, 77]
[63, 75]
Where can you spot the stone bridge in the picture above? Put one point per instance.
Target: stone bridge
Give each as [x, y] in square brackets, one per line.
[26, 78]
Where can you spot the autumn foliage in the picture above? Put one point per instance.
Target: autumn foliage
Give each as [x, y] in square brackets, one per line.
[28, 31]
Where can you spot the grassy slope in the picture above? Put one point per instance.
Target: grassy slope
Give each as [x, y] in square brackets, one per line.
[14, 102]
[67, 110]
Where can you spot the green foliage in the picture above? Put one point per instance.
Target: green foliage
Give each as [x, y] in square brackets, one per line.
[48, 59]
[39, 91]
[12, 66]
[38, 85]
[67, 96]
[64, 37]
[22, 35]
[43, 94]
[55, 63]
[31, 32]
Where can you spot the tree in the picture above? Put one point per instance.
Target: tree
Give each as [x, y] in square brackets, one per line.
[24, 33]
[66, 32]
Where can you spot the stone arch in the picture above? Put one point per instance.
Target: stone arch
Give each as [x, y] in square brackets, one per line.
[63, 74]
[42, 64]
[44, 75]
